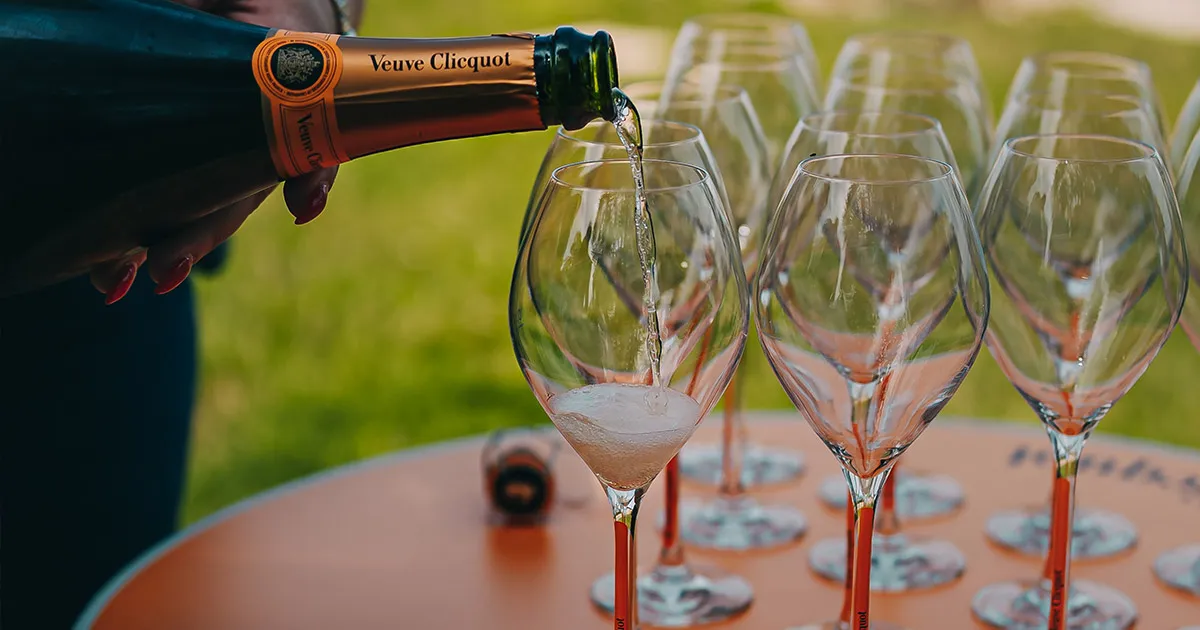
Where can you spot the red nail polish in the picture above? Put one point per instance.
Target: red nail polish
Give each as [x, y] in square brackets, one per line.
[175, 276]
[123, 285]
[316, 204]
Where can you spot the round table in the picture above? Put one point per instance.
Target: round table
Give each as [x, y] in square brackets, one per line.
[403, 541]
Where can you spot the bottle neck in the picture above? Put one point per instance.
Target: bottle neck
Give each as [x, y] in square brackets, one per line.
[576, 75]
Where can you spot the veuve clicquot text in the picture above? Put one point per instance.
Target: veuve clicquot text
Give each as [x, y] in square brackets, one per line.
[123, 119]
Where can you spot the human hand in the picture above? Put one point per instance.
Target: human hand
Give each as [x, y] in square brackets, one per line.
[170, 261]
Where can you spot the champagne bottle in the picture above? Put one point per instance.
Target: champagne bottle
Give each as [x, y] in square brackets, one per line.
[122, 119]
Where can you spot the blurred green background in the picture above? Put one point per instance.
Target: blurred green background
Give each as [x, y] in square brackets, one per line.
[383, 325]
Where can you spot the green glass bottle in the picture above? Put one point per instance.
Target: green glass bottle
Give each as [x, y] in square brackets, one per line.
[121, 120]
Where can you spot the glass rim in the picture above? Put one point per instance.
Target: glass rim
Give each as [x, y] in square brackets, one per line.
[1106, 59]
[951, 41]
[946, 171]
[1147, 152]
[858, 81]
[1026, 97]
[696, 133]
[746, 20]
[726, 92]
[683, 166]
[934, 123]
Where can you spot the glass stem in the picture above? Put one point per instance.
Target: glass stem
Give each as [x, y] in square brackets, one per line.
[733, 442]
[864, 495]
[671, 554]
[1048, 565]
[847, 599]
[888, 521]
[625, 504]
[1067, 451]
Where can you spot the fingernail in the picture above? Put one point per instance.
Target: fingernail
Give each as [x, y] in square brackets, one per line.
[316, 203]
[123, 285]
[175, 276]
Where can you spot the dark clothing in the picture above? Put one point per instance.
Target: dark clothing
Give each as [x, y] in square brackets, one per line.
[95, 415]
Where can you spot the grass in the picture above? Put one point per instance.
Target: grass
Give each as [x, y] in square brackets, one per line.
[383, 325]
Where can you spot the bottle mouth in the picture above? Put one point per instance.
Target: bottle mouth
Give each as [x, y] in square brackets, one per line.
[604, 51]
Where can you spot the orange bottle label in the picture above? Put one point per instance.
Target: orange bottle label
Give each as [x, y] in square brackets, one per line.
[389, 93]
[297, 74]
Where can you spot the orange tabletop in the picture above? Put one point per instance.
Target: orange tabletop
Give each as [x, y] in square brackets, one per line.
[402, 542]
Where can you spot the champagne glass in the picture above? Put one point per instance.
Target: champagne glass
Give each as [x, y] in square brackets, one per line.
[778, 84]
[899, 562]
[1186, 126]
[725, 30]
[1179, 568]
[732, 520]
[627, 387]
[955, 103]
[1073, 71]
[1084, 247]
[1096, 533]
[674, 593]
[883, 53]
[917, 495]
[871, 306]
[775, 78]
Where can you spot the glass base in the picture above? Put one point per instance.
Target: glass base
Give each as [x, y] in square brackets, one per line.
[1026, 606]
[1097, 533]
[760, 466]
[739, 524]
[1179, 568]
[918, 496]
[842, 625]
[682, 596]
[898, 563]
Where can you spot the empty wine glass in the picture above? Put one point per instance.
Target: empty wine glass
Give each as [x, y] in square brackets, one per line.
[871, 306]
[881, 53]
[1085, 252]
[1096, 533]
[899, 562]
[627, 386]
[732, 520]
[1061, 72]
[779, 84]
[735, 30]
[1179, 568]
[775, 78]
[1186, 126]
[955, 103]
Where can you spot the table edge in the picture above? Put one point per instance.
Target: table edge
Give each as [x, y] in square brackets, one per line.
[105, 595]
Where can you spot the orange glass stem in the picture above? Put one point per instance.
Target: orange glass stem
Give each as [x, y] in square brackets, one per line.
[672, 549]
[1058, 563]
[847, 599]
[731, 455]
[1067, 451]
[625, 600]
[889, 522]
[860, 585]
